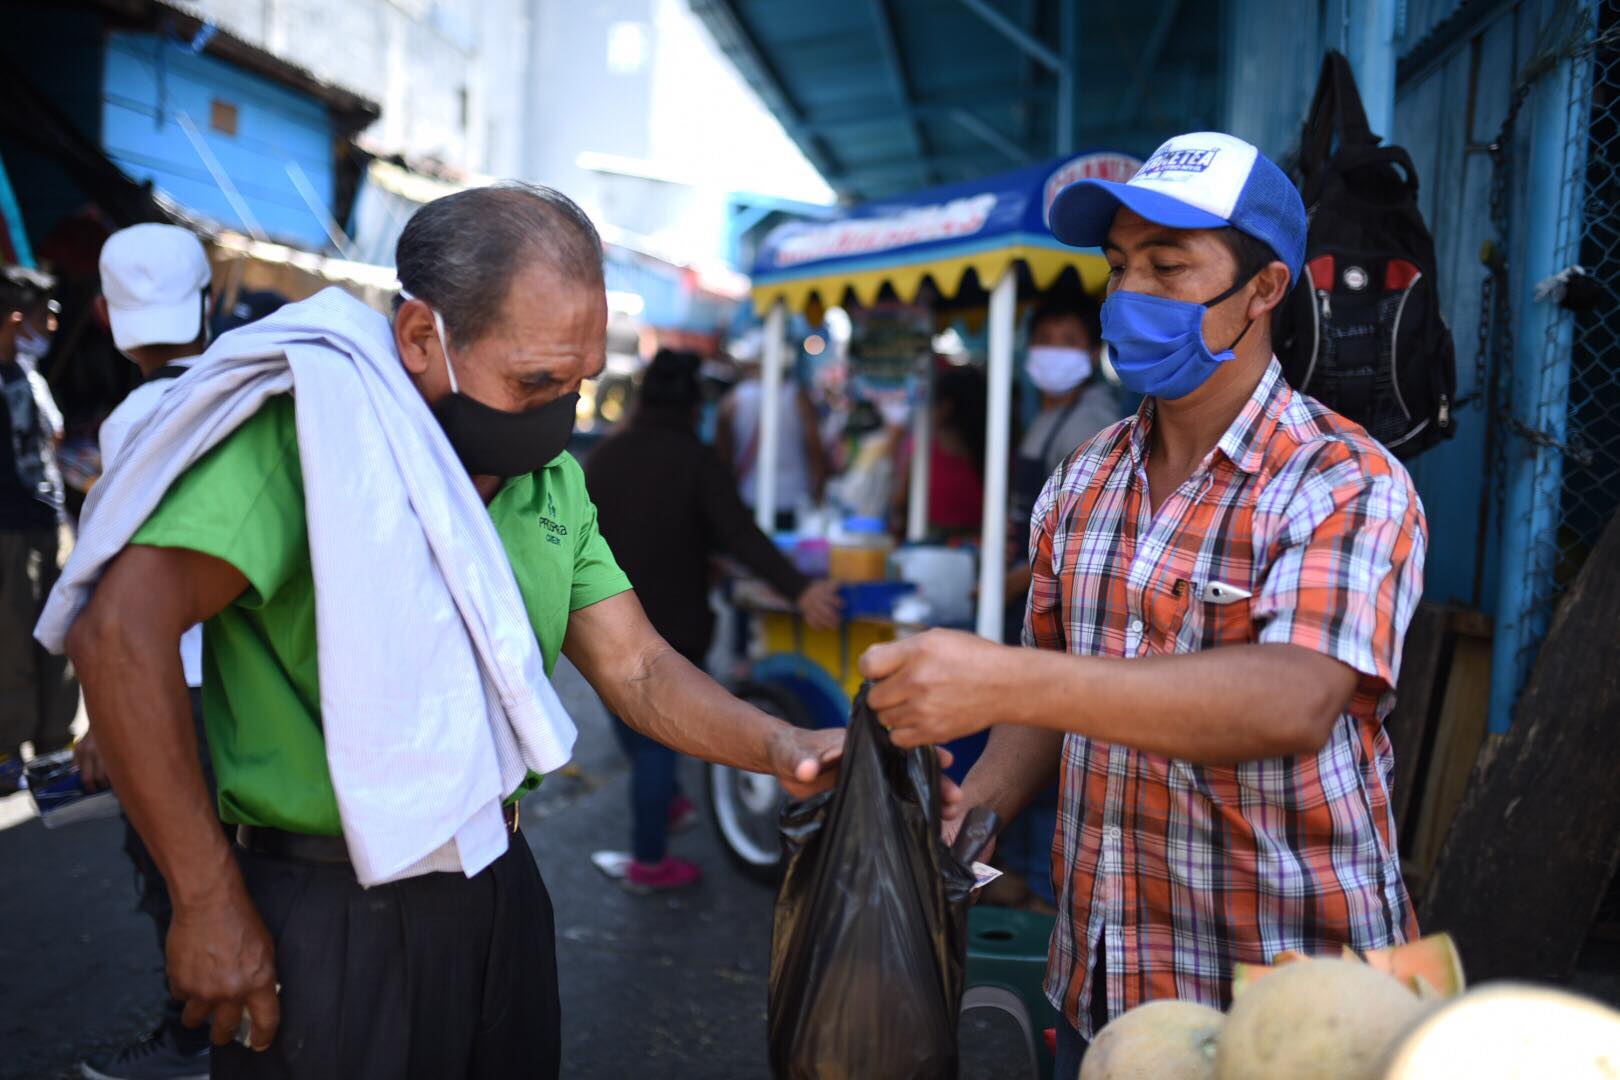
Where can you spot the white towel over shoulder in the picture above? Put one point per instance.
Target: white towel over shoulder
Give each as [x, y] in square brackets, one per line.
[434, 696]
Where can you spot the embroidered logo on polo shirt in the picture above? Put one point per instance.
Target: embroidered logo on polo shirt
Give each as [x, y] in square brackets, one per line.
[555, 530]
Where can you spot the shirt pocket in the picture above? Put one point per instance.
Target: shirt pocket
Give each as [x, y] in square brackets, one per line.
[1209, 624]
[1180, 620]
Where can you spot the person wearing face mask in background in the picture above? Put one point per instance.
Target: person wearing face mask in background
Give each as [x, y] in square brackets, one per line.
[1065, 336]
[38, 693]
[1222, 583]
[155, 300]
[379, 525]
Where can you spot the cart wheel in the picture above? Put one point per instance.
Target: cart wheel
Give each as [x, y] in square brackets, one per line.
[744, 806]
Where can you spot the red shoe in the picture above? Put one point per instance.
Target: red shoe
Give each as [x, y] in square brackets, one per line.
[671, 873]
[682, 814]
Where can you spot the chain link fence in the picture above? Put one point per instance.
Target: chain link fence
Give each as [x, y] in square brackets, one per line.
[1577, 486]
[1574, 488]
[1591, 481]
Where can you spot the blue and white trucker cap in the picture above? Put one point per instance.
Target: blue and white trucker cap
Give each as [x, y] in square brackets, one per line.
[1202, 180]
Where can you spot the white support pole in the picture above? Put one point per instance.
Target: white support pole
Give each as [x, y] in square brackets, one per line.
[770, 418]
[922, 453]
[998, 428]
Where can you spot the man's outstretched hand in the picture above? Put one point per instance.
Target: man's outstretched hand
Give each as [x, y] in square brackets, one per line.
[807, 762]
[937, 686]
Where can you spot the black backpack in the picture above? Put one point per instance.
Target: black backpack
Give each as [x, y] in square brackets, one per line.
[1362, 330]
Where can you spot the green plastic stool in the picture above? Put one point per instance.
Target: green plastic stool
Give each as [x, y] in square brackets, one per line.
[1006, 971]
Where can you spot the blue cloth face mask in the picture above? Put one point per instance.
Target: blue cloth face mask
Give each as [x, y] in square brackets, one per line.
[1156, 344]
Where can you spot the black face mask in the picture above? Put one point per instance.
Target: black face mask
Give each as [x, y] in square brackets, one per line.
[494, 442]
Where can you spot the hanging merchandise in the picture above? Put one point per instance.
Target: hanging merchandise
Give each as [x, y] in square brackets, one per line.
[1362, 330]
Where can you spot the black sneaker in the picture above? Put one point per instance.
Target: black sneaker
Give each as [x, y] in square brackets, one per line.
[156, 1057]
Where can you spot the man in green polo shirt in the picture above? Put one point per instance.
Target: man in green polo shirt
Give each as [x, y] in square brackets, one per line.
[438, 975]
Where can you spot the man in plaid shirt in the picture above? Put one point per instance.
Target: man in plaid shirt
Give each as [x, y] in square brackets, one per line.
[1221, 587]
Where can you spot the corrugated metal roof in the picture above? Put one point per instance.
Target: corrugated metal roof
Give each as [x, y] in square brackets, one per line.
[889, 95]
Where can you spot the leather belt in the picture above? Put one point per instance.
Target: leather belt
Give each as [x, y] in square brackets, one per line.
[280, 844]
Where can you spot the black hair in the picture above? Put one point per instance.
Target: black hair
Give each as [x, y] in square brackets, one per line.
[22, 289]
[1252, 255]
[670, 383]
[964, 390]
[1069, 304]
[461, 253]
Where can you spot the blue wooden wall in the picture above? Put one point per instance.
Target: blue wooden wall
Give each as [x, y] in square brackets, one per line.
[148, 82]
[1445, 113]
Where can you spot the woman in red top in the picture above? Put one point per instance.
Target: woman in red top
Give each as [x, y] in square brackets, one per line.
[956, 459]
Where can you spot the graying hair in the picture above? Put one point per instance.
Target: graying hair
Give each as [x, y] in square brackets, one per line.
[462, 252]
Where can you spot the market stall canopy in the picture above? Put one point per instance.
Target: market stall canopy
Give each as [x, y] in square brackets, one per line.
[939, 235]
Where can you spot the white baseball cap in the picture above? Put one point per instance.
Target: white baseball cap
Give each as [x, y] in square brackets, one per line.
[1201, 180]
[154, 278]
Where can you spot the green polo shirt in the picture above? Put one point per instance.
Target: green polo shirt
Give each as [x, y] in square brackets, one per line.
[244, 503]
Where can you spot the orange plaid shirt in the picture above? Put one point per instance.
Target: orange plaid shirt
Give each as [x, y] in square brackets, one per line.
[1182, 870]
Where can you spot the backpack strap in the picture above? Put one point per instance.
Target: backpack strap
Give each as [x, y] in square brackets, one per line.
[1351, 115]
[1337, 121]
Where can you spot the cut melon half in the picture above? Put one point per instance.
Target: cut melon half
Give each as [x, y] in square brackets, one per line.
[1434, 958]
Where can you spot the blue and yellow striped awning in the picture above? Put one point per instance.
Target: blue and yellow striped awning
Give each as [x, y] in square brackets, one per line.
[938, 236]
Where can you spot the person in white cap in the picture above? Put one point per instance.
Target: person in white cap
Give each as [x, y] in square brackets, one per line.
[155, 296]
[1221, 587]
[38, 693]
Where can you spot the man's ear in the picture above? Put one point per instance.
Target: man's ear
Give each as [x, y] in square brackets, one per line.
[1271, 286]
[415, 337]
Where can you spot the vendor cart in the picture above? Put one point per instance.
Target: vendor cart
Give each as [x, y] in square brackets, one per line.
[972, 251]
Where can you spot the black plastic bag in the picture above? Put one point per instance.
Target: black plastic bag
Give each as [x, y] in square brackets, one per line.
[870, 943]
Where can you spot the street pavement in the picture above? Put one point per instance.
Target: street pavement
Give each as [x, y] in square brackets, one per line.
[653, 987]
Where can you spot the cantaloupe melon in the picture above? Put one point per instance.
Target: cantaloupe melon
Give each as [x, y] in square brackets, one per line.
[1315, 1020]
[1511, 1031]
[1245, 974]
[1435, 958]
[1161, 1040]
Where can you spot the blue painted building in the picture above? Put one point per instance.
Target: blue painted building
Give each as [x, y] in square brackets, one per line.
[216, 128]
[1533, 474]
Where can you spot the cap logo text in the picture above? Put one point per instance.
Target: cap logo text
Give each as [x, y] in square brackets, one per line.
[1178, 161]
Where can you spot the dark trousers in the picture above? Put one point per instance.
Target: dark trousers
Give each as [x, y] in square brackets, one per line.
[153, 894]
[652, 788]
[38, 690]
[1071, 1045]
[437, 977]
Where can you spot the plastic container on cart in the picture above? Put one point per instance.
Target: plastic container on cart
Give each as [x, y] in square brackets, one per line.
[944, 577]
[860, 551]
[872, 599]
[813, 555]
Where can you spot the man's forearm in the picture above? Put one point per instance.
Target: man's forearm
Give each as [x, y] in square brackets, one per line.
[673, 702]
[1220, 706]
[1017, 763]
[135, 692]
